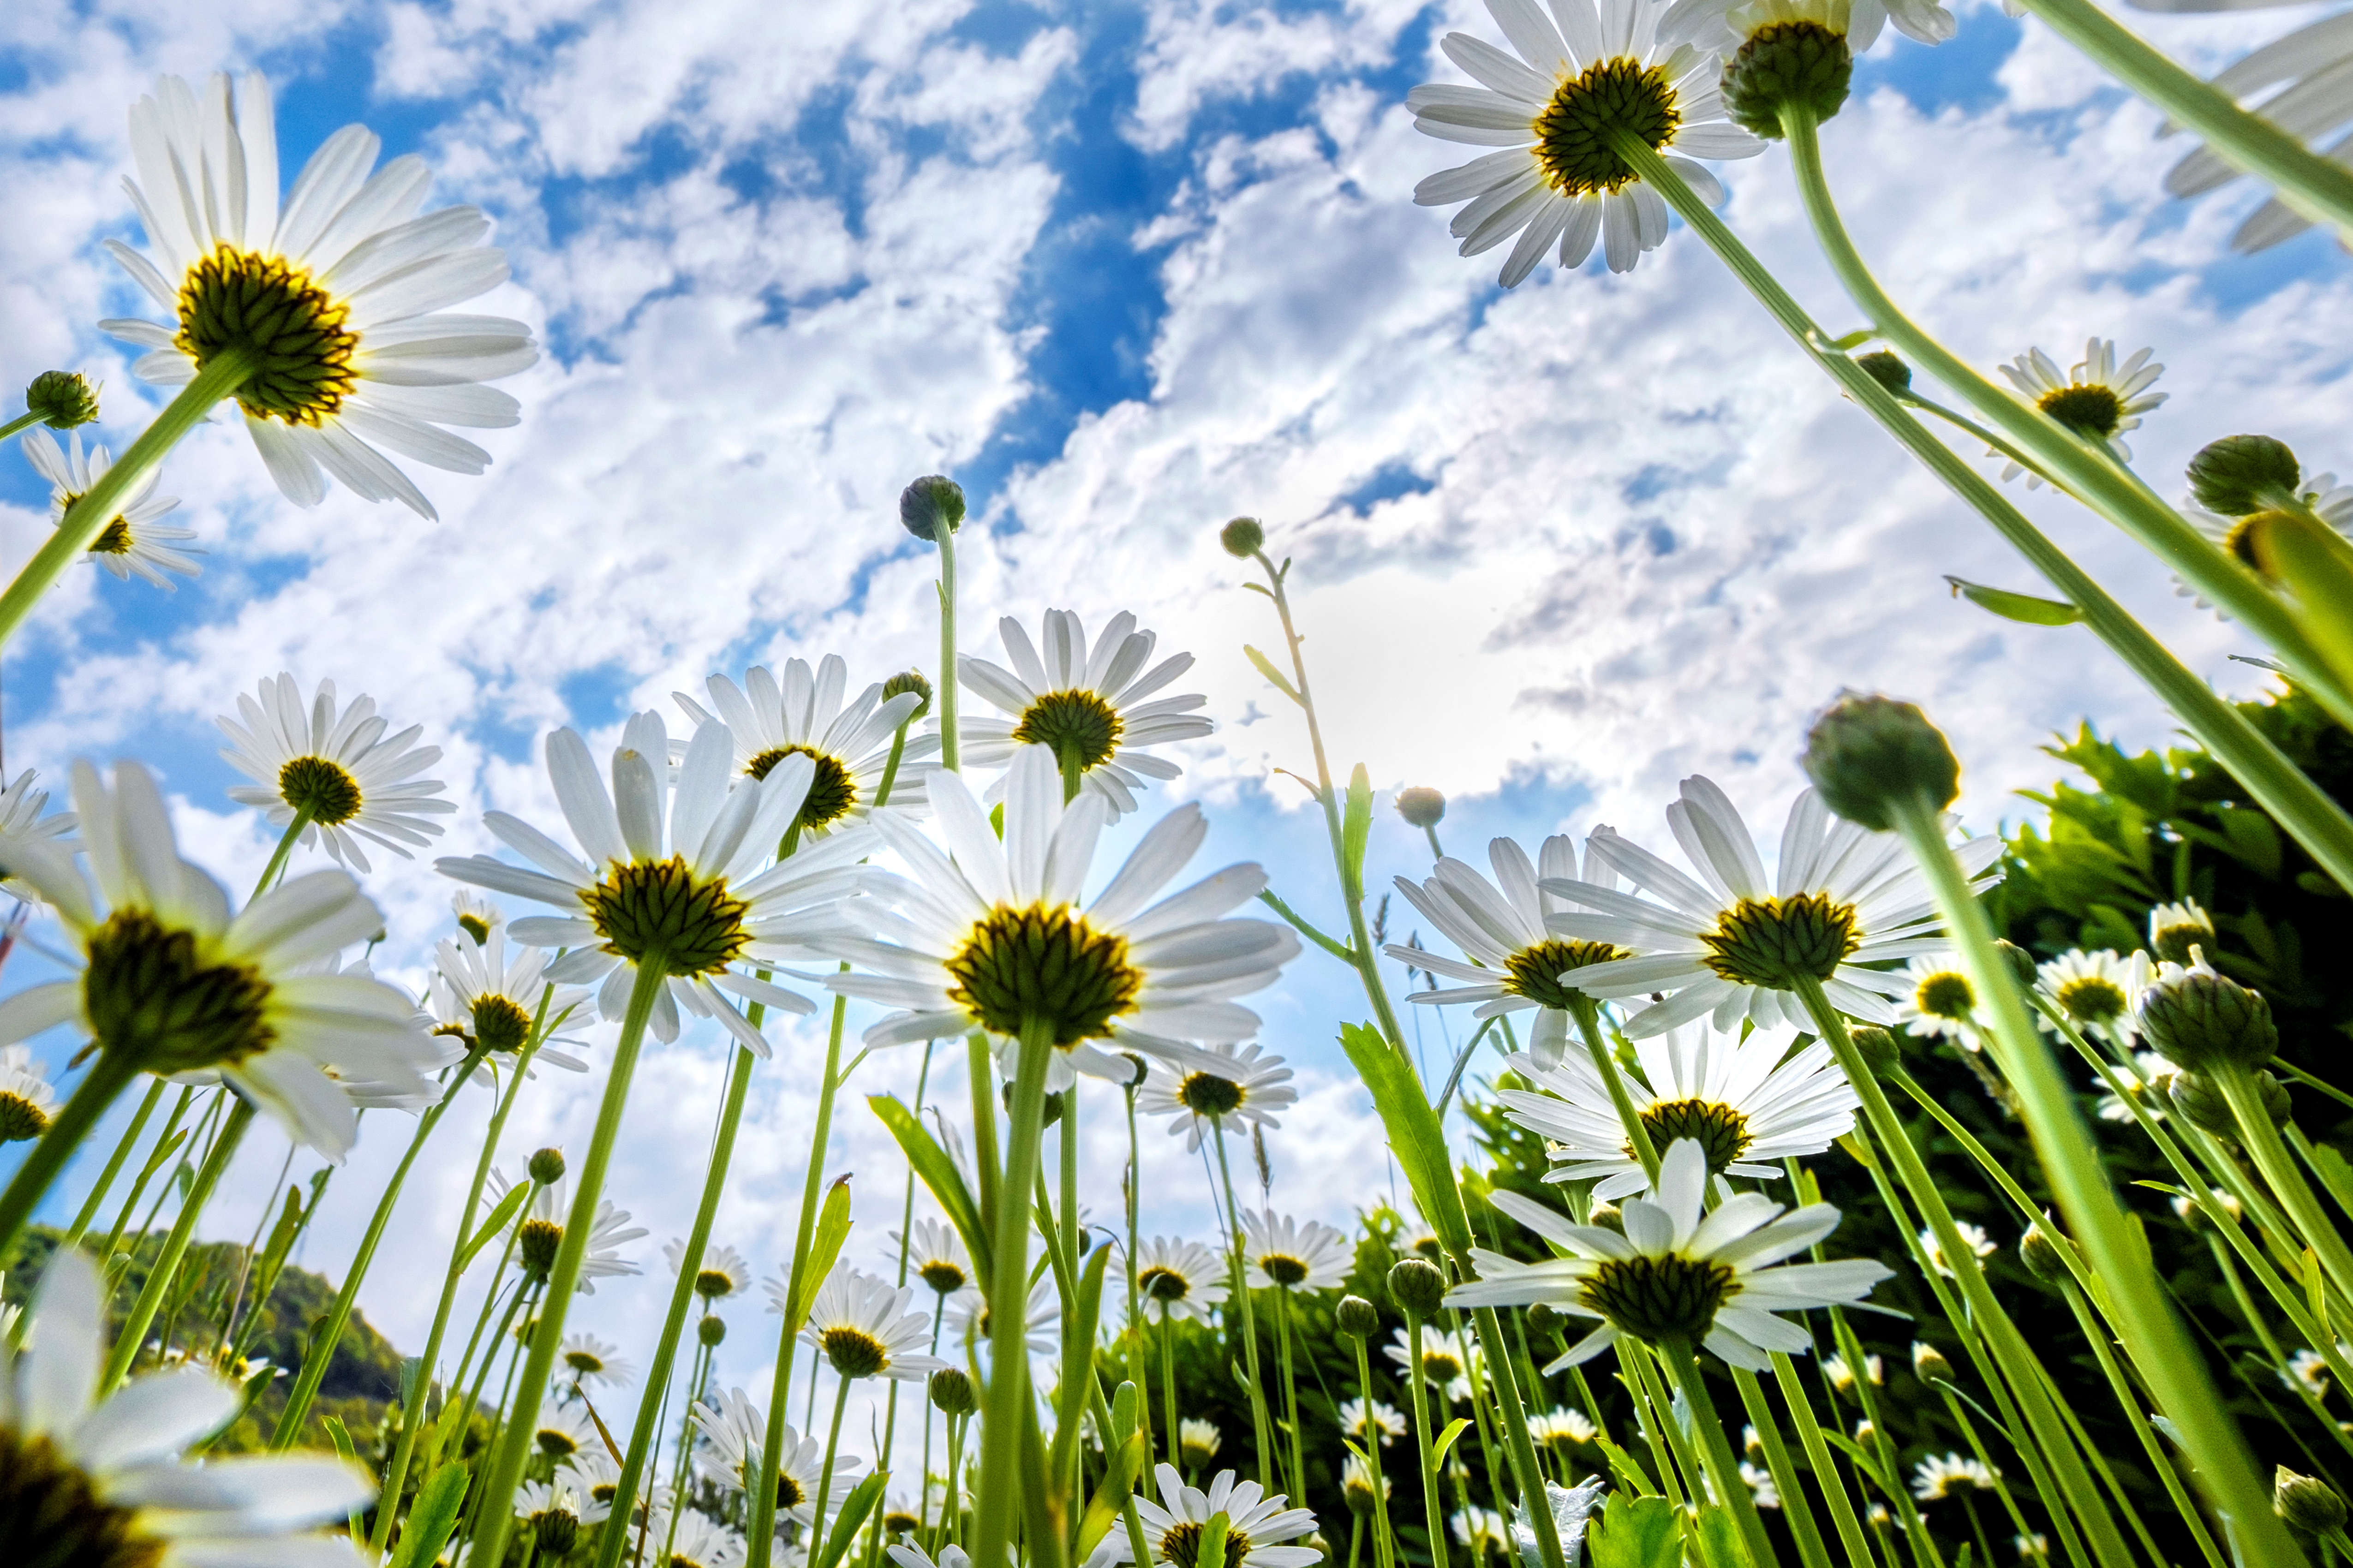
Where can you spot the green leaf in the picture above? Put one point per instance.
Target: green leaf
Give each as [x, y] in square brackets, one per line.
[343, 1441]
[1266, 667]
[939, 1174]
[2011, 606]
[1081, 1319]
[833, 1230]
[1121, 1466]
[432, 1517]
[2335, 1172]
[1864, 1461]
[1357, 829]
[1625, 1468]
[1213, 1539]
[1414, 1134]
[1635, 1533]
[495, 1224]
[1855, 339]
[1454, 1429]
[1719, 1539]
[854, 1509]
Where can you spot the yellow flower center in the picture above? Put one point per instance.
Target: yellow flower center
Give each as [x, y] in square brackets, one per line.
[1535, 972]
[2094, 411]
[295, 330]
[150, 992]
[325, 789]
[1045, 964]
[1771, 943]
[1945, 995]
[697, 925]
[1666, 1300]
[1180, 1544]
[1722, 1131]
[1072, 724]
[831, 793]
[2091, 999]
[1573, 132]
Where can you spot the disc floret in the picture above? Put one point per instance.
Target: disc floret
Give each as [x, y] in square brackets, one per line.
[1044, 963]
[1773, 942]
[154, 991]
[295, 334]
[647, 905]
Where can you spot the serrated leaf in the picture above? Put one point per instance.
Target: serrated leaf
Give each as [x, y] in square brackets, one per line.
[1266, 667]
[495, 1223]
[2022, 607]
[432, 1516]
[1635, 1533]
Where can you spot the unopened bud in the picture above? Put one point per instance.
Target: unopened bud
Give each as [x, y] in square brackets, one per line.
[2039, 1251]
[557, 1529]
[2307, 1502]
[1542, 1320]
[1886, 369]
[713, 1330]
[2242, 474]
[548, 1167]
[928, 503]
[2022, 967]
[1421, 806]
[1244, 538]
[2204, 1021]
[1053, 1105]
[1866, 754]
[1799, 64]
[1357, 1318]
[1928, 1362]
[952, 1392]
[63, 398]
[913, 681]
[1417, 1286]
[2200, 1101]
[1879, 1048]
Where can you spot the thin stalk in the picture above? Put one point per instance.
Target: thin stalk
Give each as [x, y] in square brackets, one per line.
[490, 1358]
[1382, 1548]
[1290, 1392]
[506, 1470]
[24, 421]
[1169, 1380]
[2128, 1401]
[1794, 1505]
[1717, 1453]
[155, 1157]
[946, 690]
[1007, 1405]
[109, 1074]
[951, 1507]
[1819, 1458]
[685, 1441]
[2260, 1139]
[167, 1262]
[1432, 1506]
[269, 873]
[1518, 1448]
[1588, 1024]
[103, 503]
[1135, 1357]
[825, 1477]
[1262, 1424]
[1960, 1415]
[122, 1148]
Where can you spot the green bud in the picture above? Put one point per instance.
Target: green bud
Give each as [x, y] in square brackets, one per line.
[930, 501]
[2233, 475]
[1244, 538]
[63, 398]
[2039, 1251]
[1053, 1105]
[2307, 1502]
[556, 1530]
[1421, 806]
[548, 1167]
[1357, 1318]
[2205, 1021]
[713, 1330]
[952, 1392]
[1879, 1049]
[1929, 1362]
[1866, 753]
[913, 681]
[1542, 1320]
[1803, 64]
[2022, 967]
[2200, 1102]
[1887, 370]
[1417, 1286]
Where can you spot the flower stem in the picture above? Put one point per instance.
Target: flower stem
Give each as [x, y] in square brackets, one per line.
[1433, 1506]
[1383, 1550]
[105, 1182]
[505, 1471]
[1006, 1403]
[1795, 1507]
[1290, 1392]
[1588, 1024]
[24, 421]
[1716, 1453]
[87, 518]
[2262, 1141]
[1137, 1367]
[1262, 1423]
[1169, 1381]
[946, 690]
[175, 1246]
[825, 1477]
[109, 1074]
[270, 873]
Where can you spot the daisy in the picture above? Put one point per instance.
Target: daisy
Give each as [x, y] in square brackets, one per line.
[1361, 1486]
[1197, 1442]
[1504, 927]
[1254, 1523]
[1841, 1375]
[723, 1273]
[1366, 1422]
[26, 1098]
[539, 1234]
[1941, 1001]
[563, 1431]
[1089, 714]
[2307, 1370]
[476, 917]
[1732, 944]
[1748, 1101]
[803, 716]
[682, 866]
[2146, 1080]
[1483, 1530]
[1296, 1255]
[1179, 1280]
[1199, 1090]
[991, 934]
[1761, 1490]
[1724, 25]
[900, 1518]
[2234, 536]
[1973, 1236]
[597, 1475]
[21, 806]
[865, 1330]
[2295, 82]
[2036, 1547]
[2098, 399]
[1675, 1277]
[2096, 991]
[696, 1540]
[909, 1554]
[134, 538]
[332, 294]
[1565, 1431]
[1445, 1367]
[479, 994]
[935, 1255]
[1951, 1475]
[556, 1509]
[101, 1480]
[1041, 1327]
[173, 984]
[1558, 178]
[2174, 929]
[339, 776]
[737, 1429]
[592, 1360]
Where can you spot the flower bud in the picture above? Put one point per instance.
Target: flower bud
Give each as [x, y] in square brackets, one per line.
[1887, 370]
[1357, 1318]
[913, 681]
[63, 398]
[1879, 1049]
[1802, 64]
[1421, 807]
[2200, 1101]
[2022, 967]
[929, 503]
[557, 1529]
[2233, 476]
[2204, 1021]
[712, 1331]
[2039, 1251]
[1865, 753]
[952, 1392]
[1928, 1362]
[1244, 538]
[2307, 1502]
[1542, 1320]
[548, 1167]
[1417, 1286]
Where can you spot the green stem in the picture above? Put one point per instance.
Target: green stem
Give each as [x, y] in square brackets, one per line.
[156, 1155]
[2260, 1139]
[1588, 1024]
[1262, 1424]
[490, 1358]
[825, 1477]
[1518, 1448]
[1291, 1392]
[1433, 1506]
[167, 1262]
[946, 690]
[269, 873]
[505, 1471]
[109, 1074]
[1795, 1508]
[700, 1360]
[2129, 1403]
[1006, 1403]
[122, 1148]
[1717, 1453]
[1169, 1381]
[24, 421]
[1136, 1363]
[1382, 1549]
[87, 518]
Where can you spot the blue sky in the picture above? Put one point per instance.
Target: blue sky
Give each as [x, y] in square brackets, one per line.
[1124, 270]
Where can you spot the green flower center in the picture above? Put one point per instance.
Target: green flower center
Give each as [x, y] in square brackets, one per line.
[501, 1024]
[944, 1276]
[1945, 995]
[20, 1119]
[475, 927]
[149, 993]
[50, 1514]
[1771, 943]
[557, 1529]
[1163, 1283]
[1666, 1300]
[1072, 724]
[699, 925]
[831, 793]
[713, 1283]
[2091, 999]
[854, 1353]
[1721, 1130]
[1574, 130]
[1535, 972]
[326, 790]
[539, 1240]
[2173, 942]
[1282, 1269]
[2094, 411]
[1043, 963]
[294, 329]
[1206, 1094]
[899, 1521]
[585, 1362]
[1440, 1366]
[789, 1494]
[556, 1442]
[1180, 1544]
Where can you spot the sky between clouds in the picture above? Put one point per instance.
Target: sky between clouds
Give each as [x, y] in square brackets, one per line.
[1125, 271]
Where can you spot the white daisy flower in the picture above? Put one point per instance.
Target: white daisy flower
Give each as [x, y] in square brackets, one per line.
[2098, 399]
[1087, 712]
[1973, 1236]
[27, 1099]
[539, 1234]
[1198, 1441]
[1198, 1089]
[1446, 1361]
[2296, 81]
[1504, 927]
[1177, 1278]
[1565, 1431]
[724, 1272]
[2032, 1548]
[1733, 943]
[2307, 1370]
[676, 862]
[1376, 1421]
[1761, 1490]
[591, 1360]
[2096, 991]
[1951, 1475]
[803, 716]
[1748, 1101]
[563, 1431]
[347, 781]
[100, 1482]
[935, 1255]
[1677, 1276]
[991, 933]
[909, 1554]
[135, 538]
[1841, 1375]
[1255, 1523]
[179, 985]
[1483, 1530]
[2145, 1081]
[1723, 26]
[595, 1475]
[1552, 109]
[334, 294]
[697, 1539]
[554, 1509]
[2174, 929]
[1041, 1328]
[484, 994]
[1362, 1488]
[1296, 1255]
[865, 1329]
[21, 821]
[1941, 1001]
[476, 917]
[737, 1430]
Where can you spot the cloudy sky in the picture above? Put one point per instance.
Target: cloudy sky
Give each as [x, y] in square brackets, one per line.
[1123, 271]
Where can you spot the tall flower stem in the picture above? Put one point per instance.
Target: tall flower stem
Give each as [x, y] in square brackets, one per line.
[270, 873]
[1796, 1507]
[2128, 1400]
[1169, 1381]
[167, 1262]
[321, 1348]
[1384, 1550]
[2260, 1139]
[122, 1147]
[696, 1365]
[109, 1074]
[1289, 1391]
[825, 1475]
[1519, 1448]
[1715, 1452]
[473, 1400]
[1007, 1404]
[1638, 1134]
[945, 537]
[2310, 816]
[2071, 1163]
[1843, 1517]
[155, 1158]
[24, 421]
[1262, 1423]
[1433, 1506]
[87, 518]
[1137, 1360]
[505, 1471]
